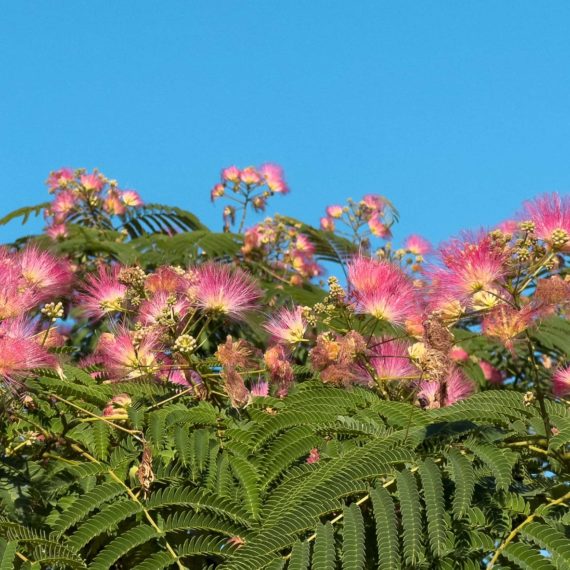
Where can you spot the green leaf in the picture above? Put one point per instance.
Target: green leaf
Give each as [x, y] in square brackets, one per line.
[411, 517]
[464, 479]
[300, 556]
[353, 549]
[324, 554]
[385, 521]
[525, 557]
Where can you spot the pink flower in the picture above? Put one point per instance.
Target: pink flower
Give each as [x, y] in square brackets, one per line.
[472, 263]
[250, 176]
[382, 290]
[63, 204]
[274, 178]
[506, 323]
[551, 216]
[334, 211]
[259, 389]
[327, 224]
[165, 280]
[102, 294]
[162, 308]
[60, 178]
[391, 361]
[561, 382]
[417, 245]
[221, 289]
[458, 387]
[314, 456]
[50, 276]
[509, 227]
[125, 359]
[92, 181]
[131, 199]
[15, 296]
[458, 354]
[20, 352]
[231, 174]
[118, 405]
[491, 374]
[287, 326]
[56, 231]
[113, 203]
[217, 192]
[373, 202]
[377, 228]
[304, 245]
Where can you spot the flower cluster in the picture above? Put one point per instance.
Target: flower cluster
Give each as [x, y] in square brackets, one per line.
[373, 216]
[90, 198]
[249, 186]
[282, 246]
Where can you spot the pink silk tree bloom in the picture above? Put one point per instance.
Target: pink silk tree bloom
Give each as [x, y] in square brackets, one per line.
[382, 290]
[231, 174]
[278, 361]
[126, 359]
[59, 178]
[491, 373]
[217, 192]
[457, 387]
[509, 227]
[473, 263]
[162, 309]
[16, 296]
[304, 245]
[274, 178]
[250, 176]
[551, 216]
[379, 229]
[131, 198]
[391, 360]
[50, 276]
[417, 245]
[287, 326]
[373, 202]
[224, 290]
[327, 224]
[561, 382]
[458, 354]
[63, 204]
[506, 323]
[56, 231]
[102, 293]
[92, 181]
[113, 204]
[334, 211]
[259, 389]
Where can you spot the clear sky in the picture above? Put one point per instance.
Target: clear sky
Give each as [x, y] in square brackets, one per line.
[457, 111]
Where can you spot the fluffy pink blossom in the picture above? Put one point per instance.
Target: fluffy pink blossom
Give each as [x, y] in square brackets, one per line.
[222, 289]
[391, 360]
[314, 456]
[59, 178]
[458, 387]
[274, 178]
[378, 228]
[278, 361]
[327, 224]
[506, 323]
[288, 325]
[20, 351]
[334, 211]
[161, 307]
[217, 192]
[50, 276]
[417, 245]
[374, 202]
[113, 204]
[250, 176]
[458, 354]
[165, 280]
[382, 290]
[102, 293]
[15, 296]
[231, 174]
[92, 181]
[561, 382]
[126, 359]
[259, 389]
[63, 204]
[56, 231]
[131, 198]
[491, 373]
[551, 216]
[509, 227]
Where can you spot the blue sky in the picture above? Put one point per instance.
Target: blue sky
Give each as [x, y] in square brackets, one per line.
[457, 111]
